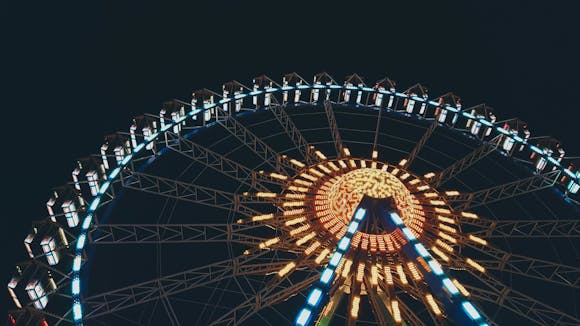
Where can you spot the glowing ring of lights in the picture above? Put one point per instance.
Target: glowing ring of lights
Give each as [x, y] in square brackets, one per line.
[336, 187]
[142, 148]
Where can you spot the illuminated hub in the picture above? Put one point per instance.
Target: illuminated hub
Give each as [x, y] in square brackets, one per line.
[317, 214]
[334, 188]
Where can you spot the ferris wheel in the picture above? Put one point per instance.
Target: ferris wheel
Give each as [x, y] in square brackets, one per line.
[310, 202]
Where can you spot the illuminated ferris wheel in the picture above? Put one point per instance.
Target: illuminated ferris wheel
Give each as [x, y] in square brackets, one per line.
[310, 203]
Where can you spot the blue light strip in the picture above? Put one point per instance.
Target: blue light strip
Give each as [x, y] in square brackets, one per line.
[455, 300]
[142, 147]
[319, 289]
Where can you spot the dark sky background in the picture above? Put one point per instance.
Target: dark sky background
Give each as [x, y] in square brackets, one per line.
[74, 71]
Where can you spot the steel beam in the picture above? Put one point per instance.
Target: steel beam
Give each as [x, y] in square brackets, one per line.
[519, 303]
[119, 234]
[380, 311]
[503, 261]
[274, 293]
[253, 142]
[216, 162]
[137, 294]
[465, 162]
[333, 128]
[421, 143]
[505, 191]
[293, 133]
[184, 191]
[562, 228]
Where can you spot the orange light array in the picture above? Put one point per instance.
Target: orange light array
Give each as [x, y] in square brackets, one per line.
[402, 275]
[341, 233]
[297, 163]
[303, 183]
[309, 177]
[360, 272]
[286, 269]
[324, 169]
[299, 189]
[320, 155]
[299, 230]
[444, 245]
[414, 271]
[293, 212]
[278, 176]
[323, 254]
[440, 253]
[346, 269]
[312, 248]
[414, 181]
[447, 228]
[389, 243]
[333, 166]
[293, 204]
[295, 221]
[475, 265]
[388, 275]
[306, 238]
[316, 172]
[356, 240]
[334, 229]
[295, 196]
[424, 264]
[365, 242]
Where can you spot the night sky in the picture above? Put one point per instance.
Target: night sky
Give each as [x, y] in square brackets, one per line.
[74, 72]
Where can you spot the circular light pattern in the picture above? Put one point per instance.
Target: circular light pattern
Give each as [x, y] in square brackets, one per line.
[336, 187]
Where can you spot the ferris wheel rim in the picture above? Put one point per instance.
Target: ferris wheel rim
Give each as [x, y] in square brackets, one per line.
[141, 148]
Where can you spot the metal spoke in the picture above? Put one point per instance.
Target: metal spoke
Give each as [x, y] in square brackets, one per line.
[333, 128]
[169, 309]
[293, 132]
[253, 142]
[544, 270]
[216, 161]
[562, 228]
[421, 143]
[377, 130]
[519, 303]
[137, 294]
[407, 313]
[274, 293]
[505, 191]
[465, 162]
[106, 234]
[380, 312]
[185, 191]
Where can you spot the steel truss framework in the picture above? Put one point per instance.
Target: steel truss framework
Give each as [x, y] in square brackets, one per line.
[503, 261]
[280, 289]
[531, 228]
[216, 161]
[519, 303]
[188, 192]
[253, 142]
[119, 299]
[467, 161]
[108, 234]
[505, 191]
[333, 128]
[294, 133]
[421, 143]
